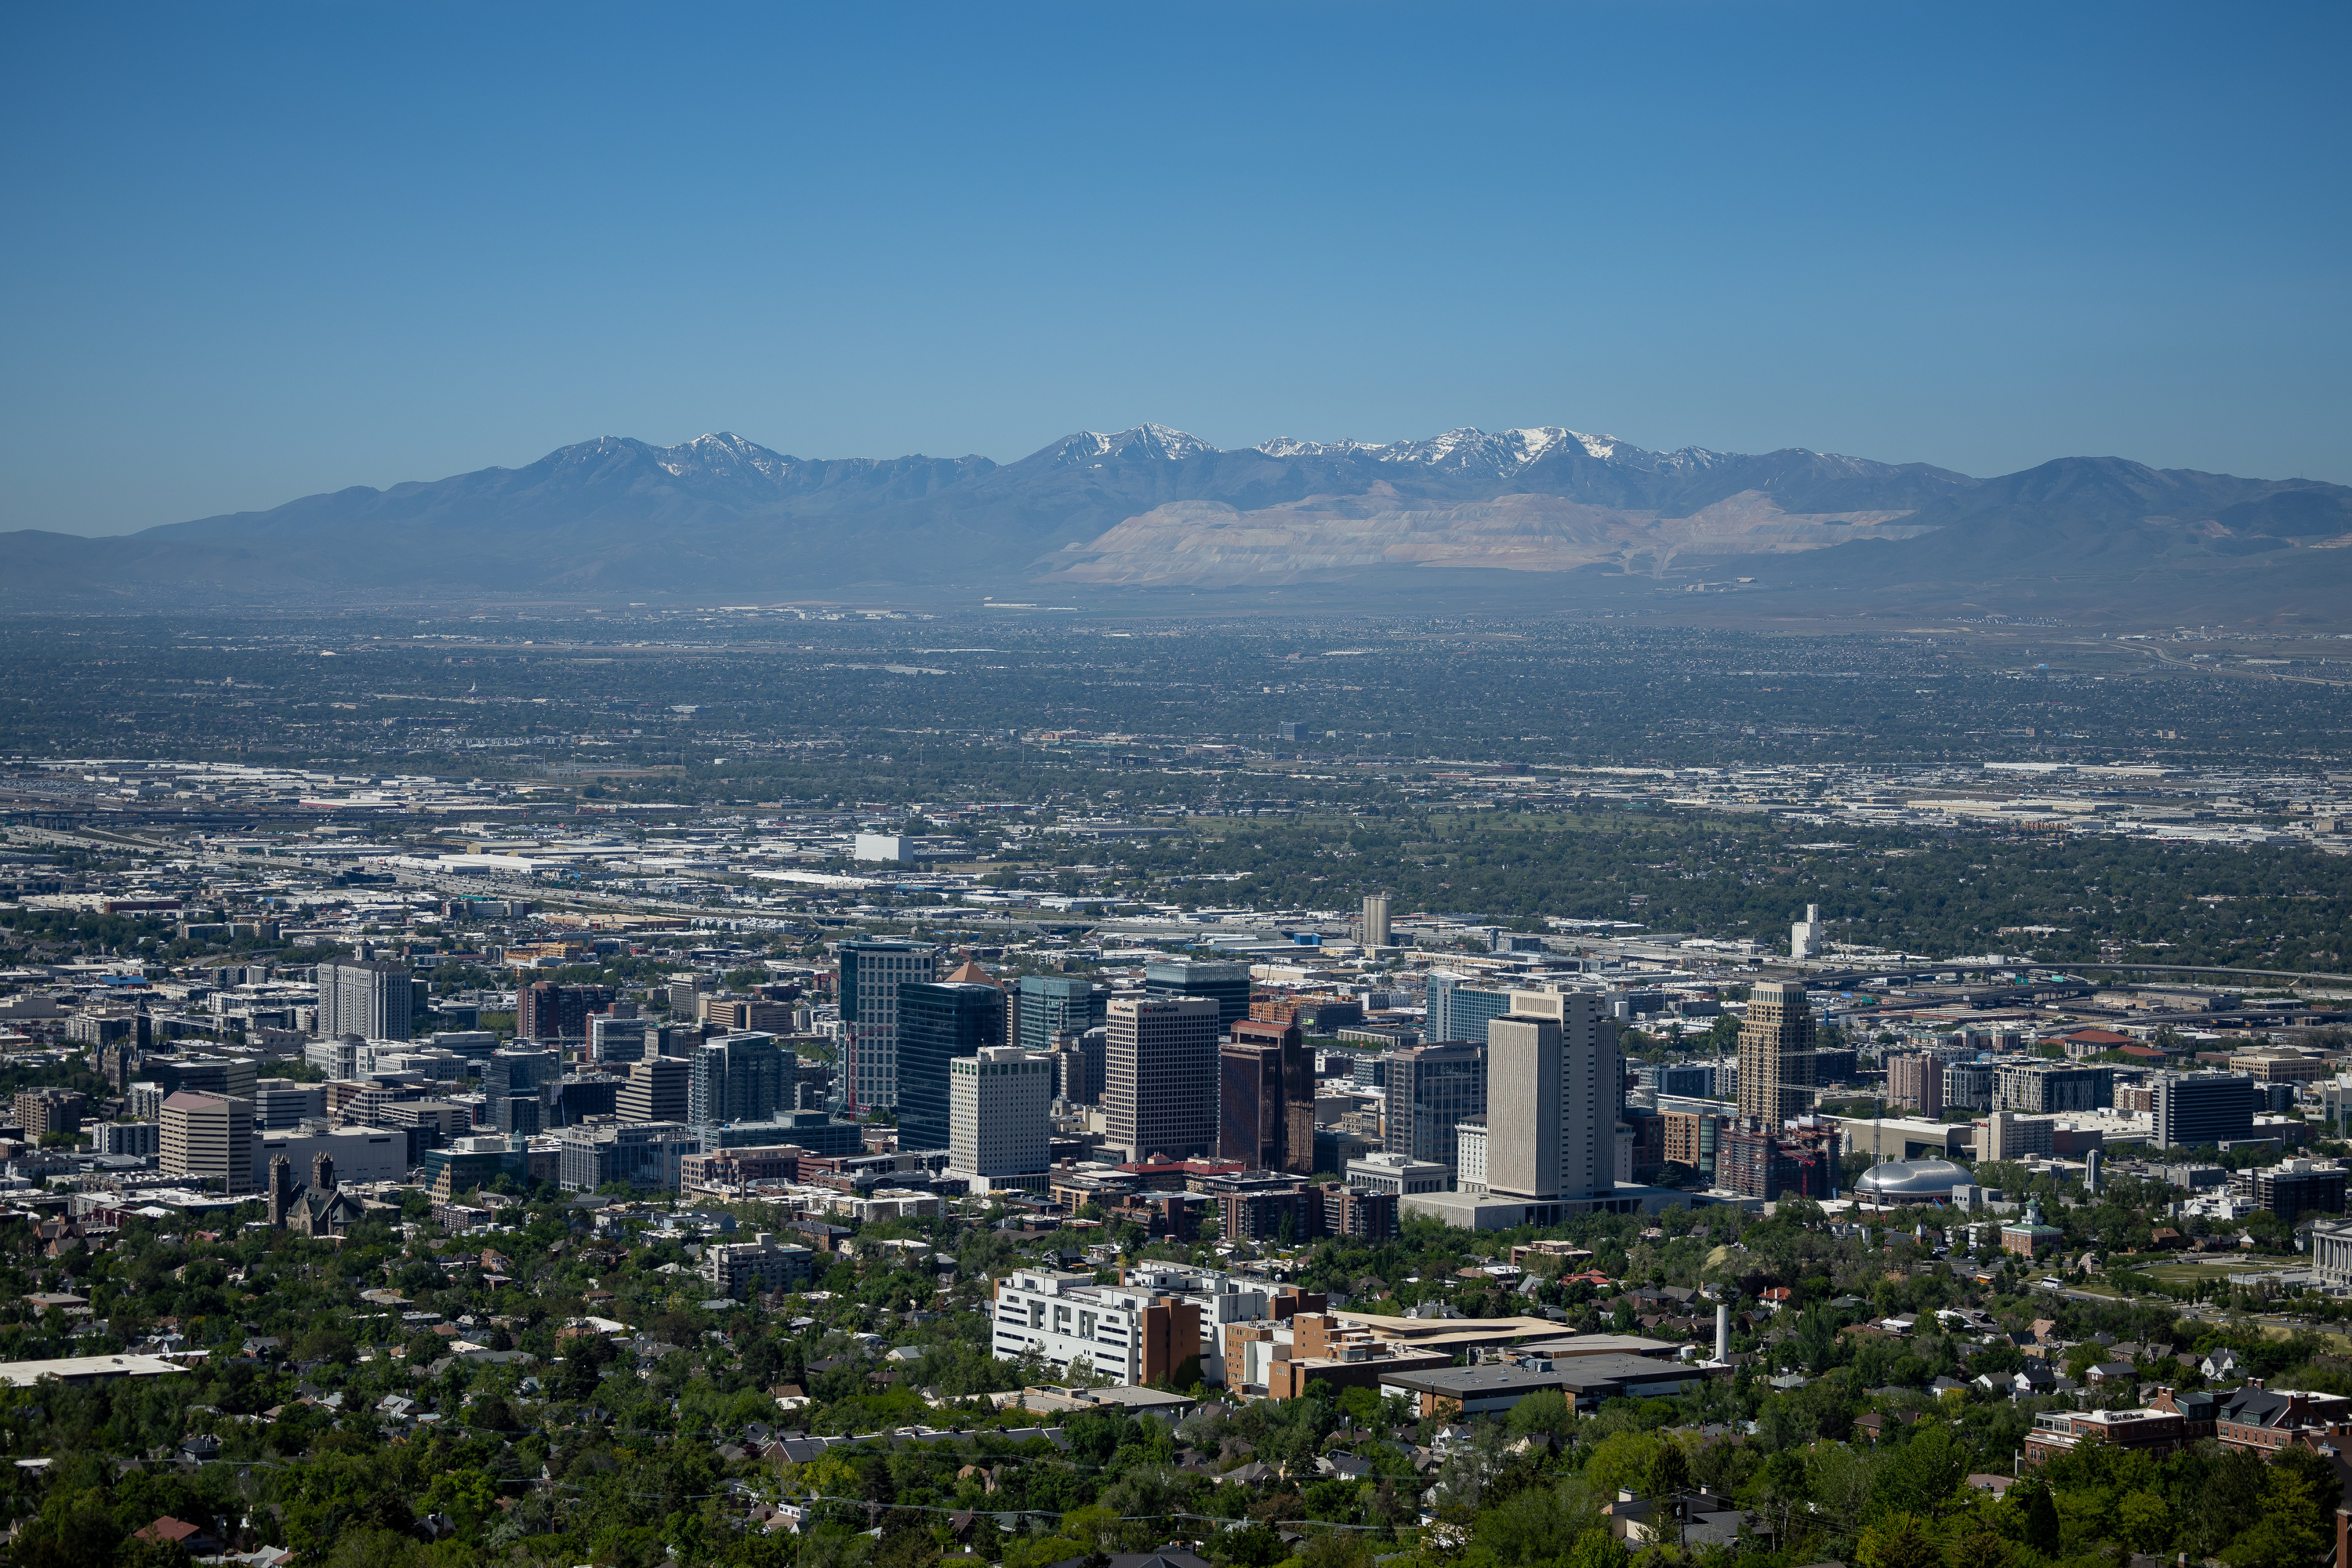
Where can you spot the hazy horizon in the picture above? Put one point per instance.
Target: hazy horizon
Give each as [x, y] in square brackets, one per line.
[284, 250]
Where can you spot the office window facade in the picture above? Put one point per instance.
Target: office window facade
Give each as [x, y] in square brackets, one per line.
[1227, 984]
[938, 1022]
[1432, 1090]
[871, 974]
[1161, 1094]
[1051, 1005]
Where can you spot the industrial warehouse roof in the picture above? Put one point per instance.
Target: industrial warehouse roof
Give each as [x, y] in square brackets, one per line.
[85, 1369]
[1454, 1382]
[1581, 1373]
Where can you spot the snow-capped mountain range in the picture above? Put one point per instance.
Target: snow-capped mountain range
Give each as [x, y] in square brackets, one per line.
[1150, 505]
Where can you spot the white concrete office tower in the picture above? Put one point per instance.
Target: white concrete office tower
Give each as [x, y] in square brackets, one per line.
[871, 973]
[1553, 1079]
[1805, 936]
[1160, 1092]
[1000, 1113]
[1376, 920]
[373, 1000]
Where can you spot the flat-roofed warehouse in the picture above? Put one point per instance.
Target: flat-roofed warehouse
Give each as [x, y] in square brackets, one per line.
[1460, 1334]
[1585, 1380]
[85, 1369]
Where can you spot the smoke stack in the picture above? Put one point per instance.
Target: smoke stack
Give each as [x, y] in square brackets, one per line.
[1722, 1333]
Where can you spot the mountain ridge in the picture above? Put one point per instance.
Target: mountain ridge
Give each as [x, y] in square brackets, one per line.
[1151, 505]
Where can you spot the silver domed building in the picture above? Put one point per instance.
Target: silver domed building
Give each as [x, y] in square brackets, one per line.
[1910, 1182]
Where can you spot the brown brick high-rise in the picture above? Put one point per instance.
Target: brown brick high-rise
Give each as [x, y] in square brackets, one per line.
[1776, 1054]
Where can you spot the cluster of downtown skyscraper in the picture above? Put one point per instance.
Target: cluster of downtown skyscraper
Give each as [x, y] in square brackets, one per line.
[1519, 1096]
[1185, 1071]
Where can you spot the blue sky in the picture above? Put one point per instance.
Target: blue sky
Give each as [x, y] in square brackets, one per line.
[257, 251]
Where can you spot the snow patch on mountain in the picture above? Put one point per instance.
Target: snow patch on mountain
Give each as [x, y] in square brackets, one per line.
[1464, 450]
[1139, 442]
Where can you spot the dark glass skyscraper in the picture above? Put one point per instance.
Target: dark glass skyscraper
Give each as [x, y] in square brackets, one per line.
[1265, 1099]
[1431, 1088]
[938, 1022]
[1174, 979]
[1055, 1005]
[737, 1078]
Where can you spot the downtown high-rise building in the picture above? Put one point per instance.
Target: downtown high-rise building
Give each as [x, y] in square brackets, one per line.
[1916, 1081]
[1432, 1090]
[1000, 1113]
[1266, 1098]
[2193, 1109]
[1776, 1054]
[1226, 984]
[1554, 1082]
[374, 999]
[557, 1013]
[872, 971]
[1160, 1091]
[656, 1089]
[940, 1021]
[207, 1138]
[737, 1078]
[1081, 1065]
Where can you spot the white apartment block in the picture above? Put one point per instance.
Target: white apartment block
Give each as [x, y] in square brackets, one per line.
[338, 1056]
[1000, 1113]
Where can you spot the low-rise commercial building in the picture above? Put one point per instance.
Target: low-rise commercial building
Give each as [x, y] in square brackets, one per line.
[1399, 1175]
[1284, 1360]
[360, 1154]
[2059, 1432]
[1586, 1381]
